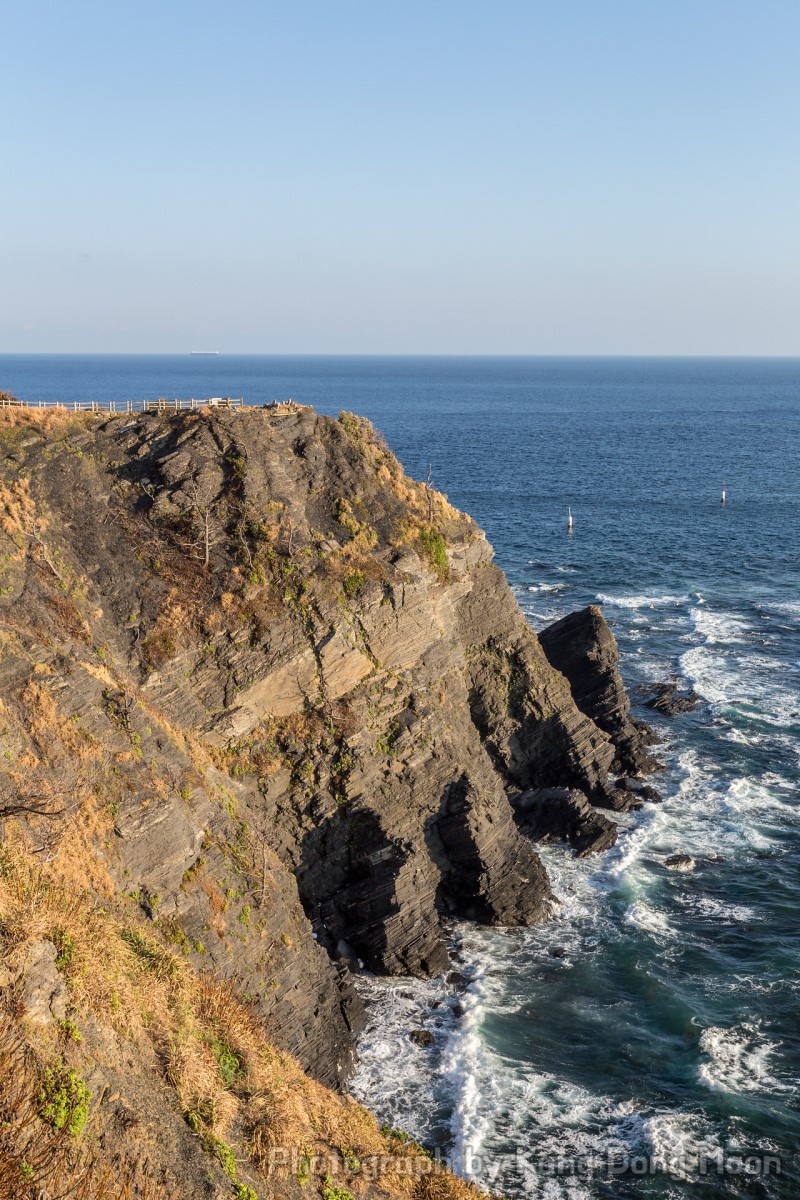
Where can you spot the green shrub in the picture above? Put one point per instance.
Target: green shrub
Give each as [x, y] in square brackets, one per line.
[329, 1191]
[224, 1155]
[353, 583]
[65, 1101]
[228, 1061]
[243, 1192]
[435, 551]
[66, 948]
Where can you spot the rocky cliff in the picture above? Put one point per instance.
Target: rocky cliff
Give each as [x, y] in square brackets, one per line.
[271, 702]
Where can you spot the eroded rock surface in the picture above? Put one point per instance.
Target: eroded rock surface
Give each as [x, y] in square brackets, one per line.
[288, 691]
[666, 698]
[564, 814]
[582, 647]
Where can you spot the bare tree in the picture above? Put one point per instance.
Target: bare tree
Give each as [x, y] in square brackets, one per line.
[202, 512]
[35, 539]
[429, 492]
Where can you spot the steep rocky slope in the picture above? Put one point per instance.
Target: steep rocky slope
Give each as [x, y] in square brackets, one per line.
[268, 700]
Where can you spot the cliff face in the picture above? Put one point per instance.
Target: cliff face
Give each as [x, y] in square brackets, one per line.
[273, 696]
[582, 647]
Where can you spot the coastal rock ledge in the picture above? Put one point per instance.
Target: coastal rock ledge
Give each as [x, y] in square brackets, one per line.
[291, 700]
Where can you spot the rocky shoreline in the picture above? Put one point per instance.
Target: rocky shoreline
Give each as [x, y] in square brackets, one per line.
[331, 728]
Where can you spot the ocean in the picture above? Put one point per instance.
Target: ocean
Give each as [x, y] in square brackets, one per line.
[646, 1041]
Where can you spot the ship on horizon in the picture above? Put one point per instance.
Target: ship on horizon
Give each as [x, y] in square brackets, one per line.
[204, 351]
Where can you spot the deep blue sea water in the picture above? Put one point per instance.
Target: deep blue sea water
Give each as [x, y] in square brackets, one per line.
[654, 1022]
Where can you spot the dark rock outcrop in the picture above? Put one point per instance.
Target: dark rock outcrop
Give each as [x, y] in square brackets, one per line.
[561, 814]
[668, 700]
[680, 862]
[582, 647]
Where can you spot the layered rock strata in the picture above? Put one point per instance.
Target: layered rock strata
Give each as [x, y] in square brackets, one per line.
[301, 694]
[582, 647]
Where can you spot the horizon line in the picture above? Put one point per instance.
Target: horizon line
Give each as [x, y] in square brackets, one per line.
[374, 354]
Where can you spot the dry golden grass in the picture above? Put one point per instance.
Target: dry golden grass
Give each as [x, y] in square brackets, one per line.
[225, 1073]
[37, 1160]
[17, 513]
[44, 420]
[271, 744]
[67, 772]
[424, 501]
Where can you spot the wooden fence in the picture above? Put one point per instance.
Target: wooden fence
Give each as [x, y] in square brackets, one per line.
[126, 406]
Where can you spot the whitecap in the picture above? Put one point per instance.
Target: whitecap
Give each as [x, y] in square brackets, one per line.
[717, 627]
[707, 908]
[647, 919]
[788, 609]
[461, 1066]
[738, 1060]
[677, 1141]
[395, 1077]
[639, 600]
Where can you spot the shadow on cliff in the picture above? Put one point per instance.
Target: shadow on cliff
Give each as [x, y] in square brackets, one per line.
[371, 897]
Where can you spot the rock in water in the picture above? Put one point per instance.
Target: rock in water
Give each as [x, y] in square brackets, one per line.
[666, 699]
[680, 862]
[582, 647]
[421, 1037]
[564, 815]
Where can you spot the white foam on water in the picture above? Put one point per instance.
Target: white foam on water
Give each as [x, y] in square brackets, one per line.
[709, 814]
[762, 798]
[395, 1077]
[648, 920]
[708, 666]
[632, 841]
[710, 676]
[760, 983]
[463, 1068]
[738, 1060]
[747, 680]
[719, 628]
[786, 609]
[640, 601]
[547, 587]
[677, 1141]
[759, 813]
[718, 912]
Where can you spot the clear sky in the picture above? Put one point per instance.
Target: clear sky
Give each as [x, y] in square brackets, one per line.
[522, 177]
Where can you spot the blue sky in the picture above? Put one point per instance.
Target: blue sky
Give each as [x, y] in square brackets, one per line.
[450, 177]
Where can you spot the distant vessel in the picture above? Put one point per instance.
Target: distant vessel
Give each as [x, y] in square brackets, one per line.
[724, 494]
[569, 519]
[204, 351]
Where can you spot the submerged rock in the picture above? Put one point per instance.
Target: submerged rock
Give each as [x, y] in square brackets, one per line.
[667, 699]
[680, 862]
[421, 1037]
[643, 790]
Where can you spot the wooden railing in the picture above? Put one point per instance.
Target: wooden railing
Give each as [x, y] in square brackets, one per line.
[126, 406]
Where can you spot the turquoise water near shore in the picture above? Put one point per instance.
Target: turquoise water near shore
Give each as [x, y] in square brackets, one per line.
[653, 1023]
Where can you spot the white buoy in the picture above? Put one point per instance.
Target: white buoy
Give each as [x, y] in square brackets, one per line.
[569, 518]
[722, 501]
